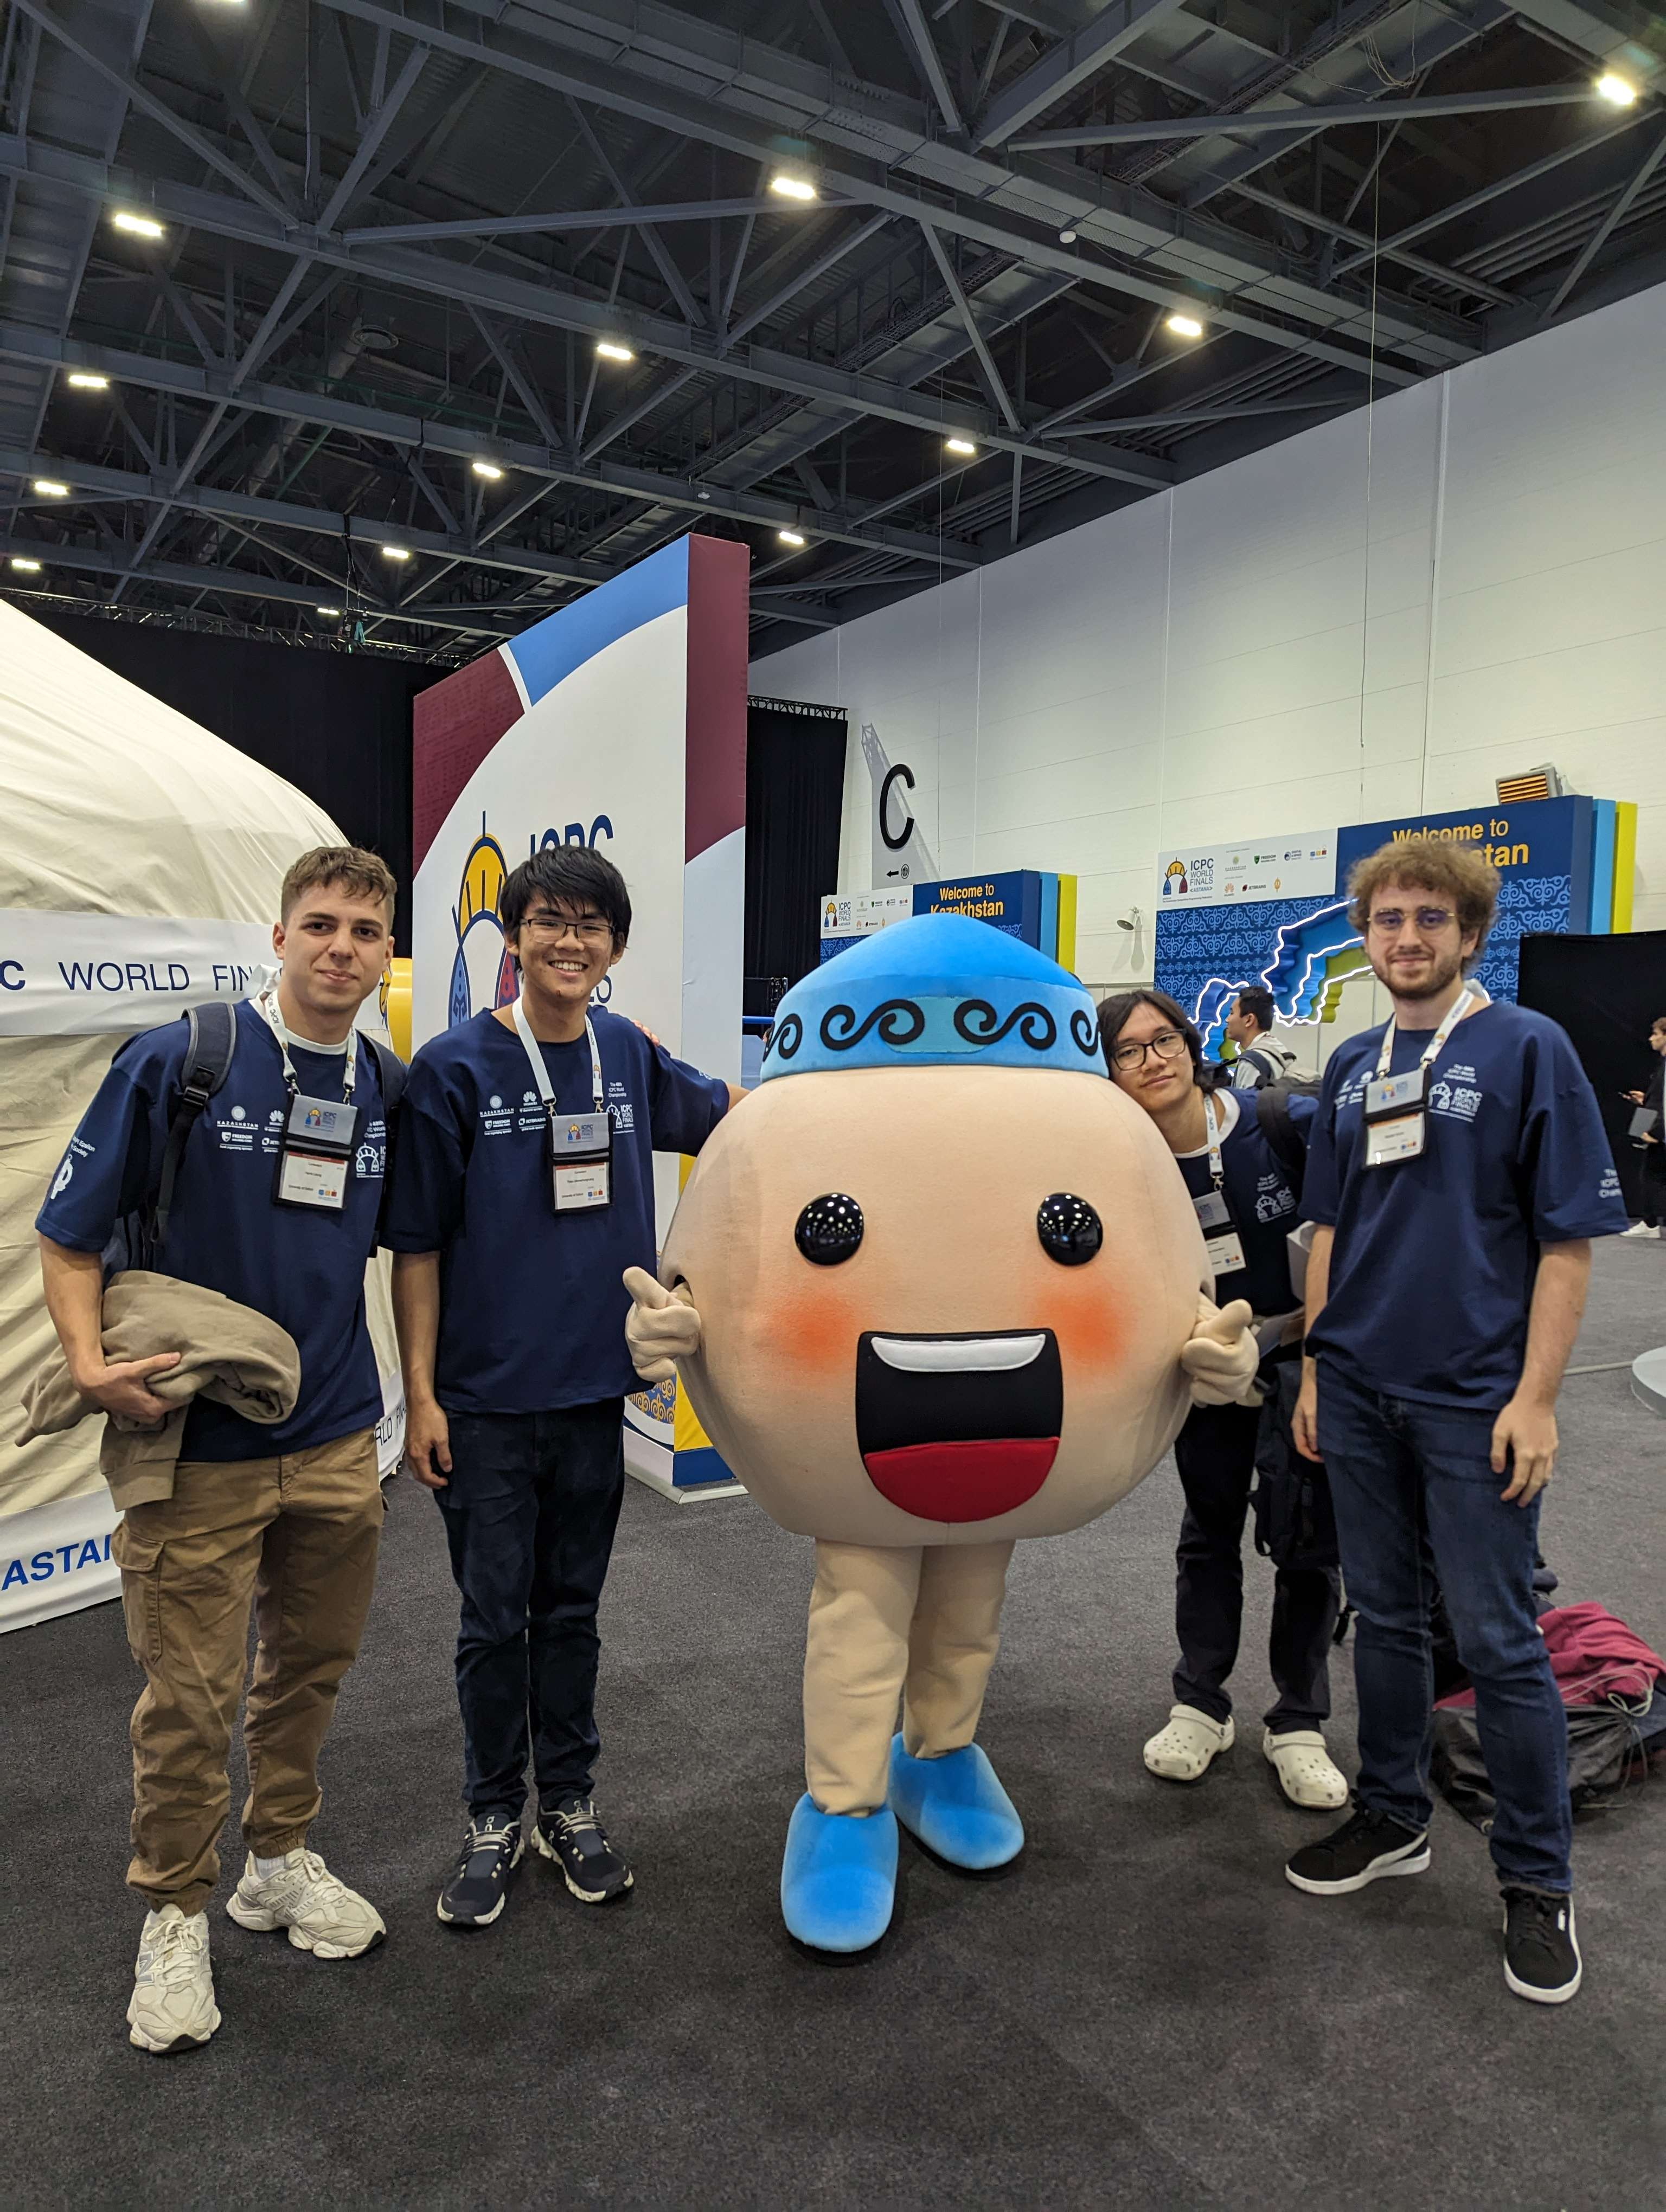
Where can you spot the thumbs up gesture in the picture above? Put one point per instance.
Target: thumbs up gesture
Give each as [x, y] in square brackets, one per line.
[1221, 1355]
[662, 1326]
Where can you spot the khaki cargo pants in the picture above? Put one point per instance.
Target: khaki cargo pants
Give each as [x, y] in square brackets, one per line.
[297, 1536]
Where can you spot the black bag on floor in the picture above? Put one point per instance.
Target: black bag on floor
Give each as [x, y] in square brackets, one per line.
[1607, 1747]
[1294, 1524]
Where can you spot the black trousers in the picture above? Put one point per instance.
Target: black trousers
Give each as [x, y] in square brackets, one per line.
[1215, 1453]
[529, 1512]
[1652, 1181]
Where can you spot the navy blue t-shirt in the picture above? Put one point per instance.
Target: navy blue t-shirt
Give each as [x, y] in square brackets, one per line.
[303, 1268]
[1432, 1267]
[1258, 1190]
[531, 1306]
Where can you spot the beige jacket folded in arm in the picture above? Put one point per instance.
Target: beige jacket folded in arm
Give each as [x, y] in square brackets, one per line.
[226, 1351]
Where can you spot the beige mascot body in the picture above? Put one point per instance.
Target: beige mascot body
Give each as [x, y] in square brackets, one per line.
[943, 1289]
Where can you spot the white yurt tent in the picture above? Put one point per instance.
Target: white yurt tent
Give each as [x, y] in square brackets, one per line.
[140, 863]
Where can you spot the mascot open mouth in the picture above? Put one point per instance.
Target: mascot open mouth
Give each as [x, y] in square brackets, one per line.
[958, 1428]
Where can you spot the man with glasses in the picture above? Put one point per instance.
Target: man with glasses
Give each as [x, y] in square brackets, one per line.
[1458, 1169]
[523, 1187]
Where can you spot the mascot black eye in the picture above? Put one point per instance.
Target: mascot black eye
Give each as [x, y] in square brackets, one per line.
[1069, 1229]
[830, 1229]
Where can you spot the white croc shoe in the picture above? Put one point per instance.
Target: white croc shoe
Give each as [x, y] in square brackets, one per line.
[173, 2007]
[322, 1915]
[1306, 1773]
[1183, 1750]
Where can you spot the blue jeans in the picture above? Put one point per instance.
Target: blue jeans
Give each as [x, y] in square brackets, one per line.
[529, 1511]
[1416, 1499]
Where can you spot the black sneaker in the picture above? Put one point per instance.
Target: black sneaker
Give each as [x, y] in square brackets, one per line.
[1541, 1960]
[478, 1888]
[570, 1832]
[1367, 1846]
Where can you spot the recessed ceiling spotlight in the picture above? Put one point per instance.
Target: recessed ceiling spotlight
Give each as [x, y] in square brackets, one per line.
[396, 553]
[1184, 324]
[25, 568]
[86, 380]
[786, 186]
[964, 447]
[790, 537]
[611, 349]
[1067, 238]
[1618, 89]
[490, 470]
[141, 226]
[48, 488]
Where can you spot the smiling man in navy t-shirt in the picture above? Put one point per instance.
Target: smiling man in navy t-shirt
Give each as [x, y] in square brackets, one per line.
[1458, 1169]
[287, 1516]
[523, 1189]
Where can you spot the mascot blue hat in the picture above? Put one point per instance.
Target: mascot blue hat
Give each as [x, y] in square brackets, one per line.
[938, 991]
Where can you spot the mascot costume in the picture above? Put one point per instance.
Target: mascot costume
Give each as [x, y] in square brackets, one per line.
[935, 1285]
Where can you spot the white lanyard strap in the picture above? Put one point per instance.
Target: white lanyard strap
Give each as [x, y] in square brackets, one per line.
[1454, 1013]
[541, 1074]
[1211, 1122]
[267, 1006]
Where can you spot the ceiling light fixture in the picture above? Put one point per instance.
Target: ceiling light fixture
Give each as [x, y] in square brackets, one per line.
[141, 226]
[964, 447]
[788, 187]
[86, 380]
[490, 470]
[332, 613]
[611, 349]
[1183, 324]
[1618, 89]
[396, 553]
[48, 489]
[1067, 238]
[790, 537]
[23, 567]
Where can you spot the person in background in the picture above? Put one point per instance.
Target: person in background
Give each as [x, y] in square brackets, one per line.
[1458, 1170]
[1246, 1207]
[290, 1517]
[522, 1190]
[1652, 1141]
[1248, 1023]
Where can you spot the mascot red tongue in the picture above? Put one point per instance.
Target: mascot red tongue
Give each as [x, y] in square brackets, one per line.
[936, 1285]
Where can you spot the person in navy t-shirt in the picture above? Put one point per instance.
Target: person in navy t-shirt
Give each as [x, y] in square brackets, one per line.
[522, 1190]
[287, 1516]
[1155, 1055]
[1445, 1289]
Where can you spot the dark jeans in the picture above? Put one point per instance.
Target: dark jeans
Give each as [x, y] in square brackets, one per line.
[529, 1511]
[1416, 1499]
[1652, 1190]
[1215, 1453]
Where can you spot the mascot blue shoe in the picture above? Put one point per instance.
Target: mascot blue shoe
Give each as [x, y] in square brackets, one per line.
[838, 1879]
[956, 1807]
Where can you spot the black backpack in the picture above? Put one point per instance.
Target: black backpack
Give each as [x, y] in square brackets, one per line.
[210, 1046]
[1286, 1143]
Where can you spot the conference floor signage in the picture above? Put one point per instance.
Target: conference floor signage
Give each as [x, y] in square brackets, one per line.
[80, 974]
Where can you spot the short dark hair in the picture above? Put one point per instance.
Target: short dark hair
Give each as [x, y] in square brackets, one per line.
[1258, 1004]
[574, 873]
[361, 874]
[1115, 1014]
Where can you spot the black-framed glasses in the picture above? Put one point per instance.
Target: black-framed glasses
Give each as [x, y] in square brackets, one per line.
[590, 929]
[1430, 919]
[1167, 1044]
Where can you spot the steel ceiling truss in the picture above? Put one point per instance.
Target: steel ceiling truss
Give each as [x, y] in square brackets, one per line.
[395, 210]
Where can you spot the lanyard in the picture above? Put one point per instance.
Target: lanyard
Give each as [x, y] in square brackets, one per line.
[1217, 1174]
[267, 1006]
[1460, 1006]
[541, 1074]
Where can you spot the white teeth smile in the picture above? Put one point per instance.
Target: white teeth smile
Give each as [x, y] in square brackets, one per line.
[958, 1355]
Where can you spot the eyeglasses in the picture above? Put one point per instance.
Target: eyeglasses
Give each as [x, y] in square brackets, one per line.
[592, 929]
[1430, 919]
[1167, 1044]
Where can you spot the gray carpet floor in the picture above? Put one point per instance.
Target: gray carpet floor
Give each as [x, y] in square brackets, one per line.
[1142, 2012]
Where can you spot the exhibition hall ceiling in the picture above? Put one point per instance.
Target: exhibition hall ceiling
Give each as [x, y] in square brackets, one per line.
[394, 324]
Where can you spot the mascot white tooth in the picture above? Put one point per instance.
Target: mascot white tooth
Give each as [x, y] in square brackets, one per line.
[933, 1286]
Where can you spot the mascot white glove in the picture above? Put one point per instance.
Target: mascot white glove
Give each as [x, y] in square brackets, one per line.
[662, 1326]
[1221, 1355]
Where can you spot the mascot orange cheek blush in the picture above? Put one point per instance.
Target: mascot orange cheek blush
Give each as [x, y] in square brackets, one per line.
[935, 1285]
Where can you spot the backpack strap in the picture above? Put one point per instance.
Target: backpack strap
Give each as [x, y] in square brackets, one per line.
[211, 1042]
[391, 1072]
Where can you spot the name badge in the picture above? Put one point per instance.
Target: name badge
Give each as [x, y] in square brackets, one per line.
[1399, 1139]
[328, 1125]
[1212, 1212]
[315, 1154]
[311, 1179]
[1226, 1254]
[580, 1161]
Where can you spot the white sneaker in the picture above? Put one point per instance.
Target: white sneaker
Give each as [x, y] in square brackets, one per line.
[1183, 1751]
[322, 1915]
[172, 2006]
[1639, 1229]
[1305, 1770]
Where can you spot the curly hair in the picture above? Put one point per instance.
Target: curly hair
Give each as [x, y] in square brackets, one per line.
[1429, 864]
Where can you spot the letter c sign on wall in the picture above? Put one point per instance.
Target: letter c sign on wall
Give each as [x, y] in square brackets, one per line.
[899, 774]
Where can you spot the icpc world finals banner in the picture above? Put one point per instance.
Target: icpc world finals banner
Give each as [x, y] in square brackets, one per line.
[619, 722]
